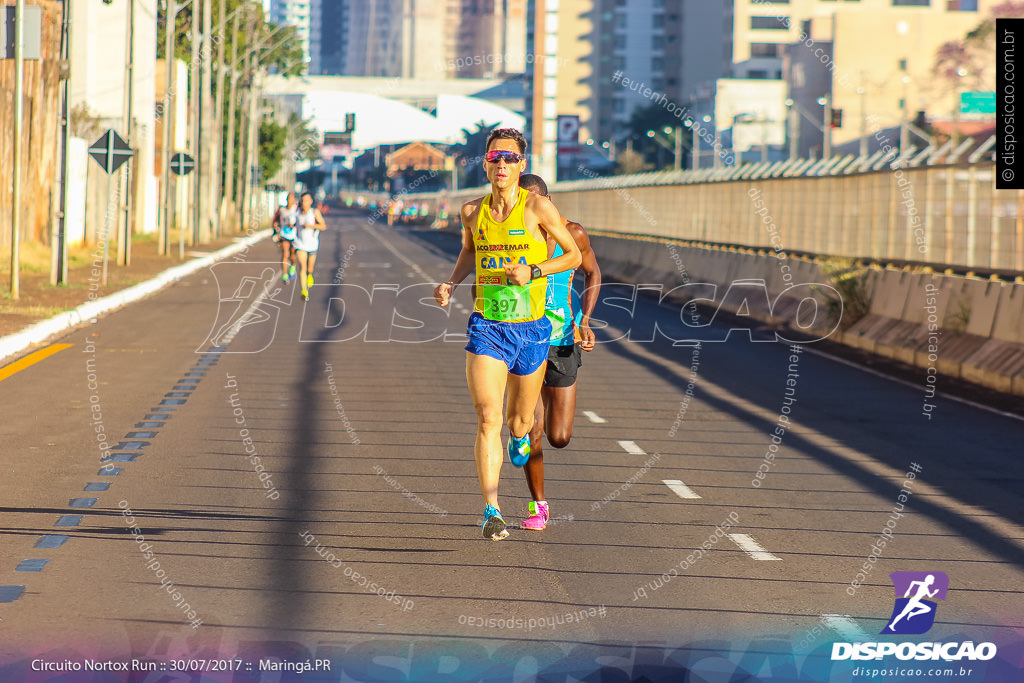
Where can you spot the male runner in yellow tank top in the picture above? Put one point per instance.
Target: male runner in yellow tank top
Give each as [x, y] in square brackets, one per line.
[504, 239]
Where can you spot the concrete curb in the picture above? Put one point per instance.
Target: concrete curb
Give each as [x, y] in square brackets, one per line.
[44, 329]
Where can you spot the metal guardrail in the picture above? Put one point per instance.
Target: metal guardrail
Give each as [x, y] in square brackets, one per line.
[886, 207]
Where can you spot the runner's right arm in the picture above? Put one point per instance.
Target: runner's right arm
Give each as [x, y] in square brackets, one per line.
[465, 264]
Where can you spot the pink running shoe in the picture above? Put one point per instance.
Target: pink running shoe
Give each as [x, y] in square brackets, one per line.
[539, 516]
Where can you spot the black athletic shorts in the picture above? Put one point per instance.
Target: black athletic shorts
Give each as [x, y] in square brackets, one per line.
[563, 364]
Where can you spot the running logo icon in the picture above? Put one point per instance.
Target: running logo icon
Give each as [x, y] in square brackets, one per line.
[915, 608]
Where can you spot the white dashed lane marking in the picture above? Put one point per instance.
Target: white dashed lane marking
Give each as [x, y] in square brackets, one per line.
[631, 448]
[594, 417]
[681, 489]
[751, 547]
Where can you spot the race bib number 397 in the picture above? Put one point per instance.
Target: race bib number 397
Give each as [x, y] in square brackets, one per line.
[505, 302]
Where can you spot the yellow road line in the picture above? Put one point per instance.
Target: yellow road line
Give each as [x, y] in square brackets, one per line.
[31, 359]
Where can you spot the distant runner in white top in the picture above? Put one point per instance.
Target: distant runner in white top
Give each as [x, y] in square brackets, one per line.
[309, 223]
[284, 233]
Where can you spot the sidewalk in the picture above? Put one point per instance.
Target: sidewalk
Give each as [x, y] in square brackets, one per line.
[44, 309]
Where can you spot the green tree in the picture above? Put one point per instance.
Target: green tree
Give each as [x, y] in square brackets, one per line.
[652, 117]
[470, 155]
[631, 162]
[305, 138]
[969, 63]
[277, 47]
[272, 141]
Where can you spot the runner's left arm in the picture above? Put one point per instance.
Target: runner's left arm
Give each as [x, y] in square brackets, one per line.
[591, 284]
[320, 224]
[550, 222]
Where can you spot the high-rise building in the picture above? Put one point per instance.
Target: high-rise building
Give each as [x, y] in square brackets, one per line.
[820, 50]
[491, 38]
[297, 13]
[331, 32]
[676, 53]
[585, 51]
[435, 38]
[397, 38]
[560, 78]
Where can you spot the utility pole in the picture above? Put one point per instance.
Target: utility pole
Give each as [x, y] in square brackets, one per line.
[168, 120]
[255, 106]
[124, 239]
[229, 163]
[195, 109]
[59, 261]
[204, 156]
[243, 139]
[216, 130]
[827, 131]
[19, 87]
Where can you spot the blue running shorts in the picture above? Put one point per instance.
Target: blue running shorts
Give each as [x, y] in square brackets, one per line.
[523, 346]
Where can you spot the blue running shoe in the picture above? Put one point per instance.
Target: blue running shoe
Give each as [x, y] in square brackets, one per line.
[494, 525]
[519, 450]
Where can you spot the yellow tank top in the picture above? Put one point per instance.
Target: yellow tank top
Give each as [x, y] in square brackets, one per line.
[498, 245]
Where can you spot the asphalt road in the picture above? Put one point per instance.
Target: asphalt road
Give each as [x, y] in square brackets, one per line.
[363, 428]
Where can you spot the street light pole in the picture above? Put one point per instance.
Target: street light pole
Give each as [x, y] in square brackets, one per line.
[694, 145]
[794, 131]
[19, 87]
[863, 121]
[679, 148]
[826, 132]
[904, 119]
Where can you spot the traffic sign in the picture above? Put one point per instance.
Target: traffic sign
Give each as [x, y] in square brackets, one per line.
[338, 138]
[182, 164]
[31, 31]
[568, 133]
[978, 103]
[110, 151]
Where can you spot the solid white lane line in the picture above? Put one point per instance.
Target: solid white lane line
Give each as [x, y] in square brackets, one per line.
[681, 489]
[751, 547]
[631, 448]
[594, 417]
[844, 625]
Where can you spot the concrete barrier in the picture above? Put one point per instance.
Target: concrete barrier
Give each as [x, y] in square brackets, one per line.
[976, 325]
